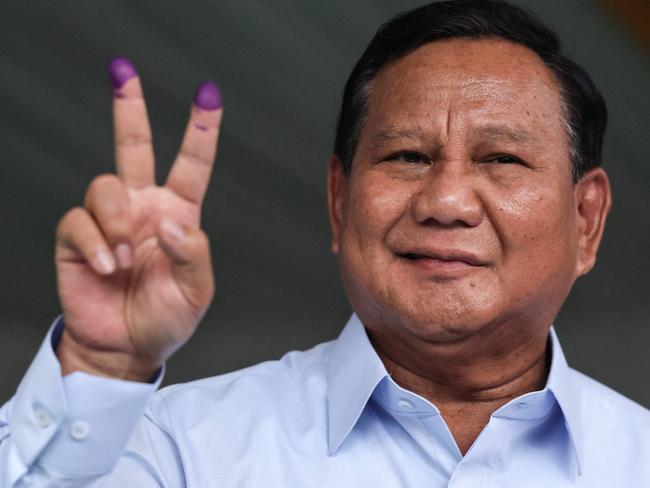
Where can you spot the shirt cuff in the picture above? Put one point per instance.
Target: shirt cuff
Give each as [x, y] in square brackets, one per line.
[78, 425]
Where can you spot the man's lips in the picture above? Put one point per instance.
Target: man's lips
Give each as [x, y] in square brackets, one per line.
[444, 256]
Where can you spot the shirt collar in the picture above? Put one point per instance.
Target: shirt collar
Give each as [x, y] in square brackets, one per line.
[560, 382]
[355, 370]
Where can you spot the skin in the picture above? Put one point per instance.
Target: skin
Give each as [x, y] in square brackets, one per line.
[463, 163]
[500, 241]
[133, 267]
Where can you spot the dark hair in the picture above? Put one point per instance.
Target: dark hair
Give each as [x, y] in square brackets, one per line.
[585, 110]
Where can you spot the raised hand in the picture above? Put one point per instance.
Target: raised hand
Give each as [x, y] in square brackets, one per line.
[134, 272]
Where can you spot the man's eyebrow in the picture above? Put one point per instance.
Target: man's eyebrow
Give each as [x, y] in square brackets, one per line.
[511, 133]
[392, 134]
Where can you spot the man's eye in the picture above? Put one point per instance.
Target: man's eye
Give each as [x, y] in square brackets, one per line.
[409, 157]
[504, 159]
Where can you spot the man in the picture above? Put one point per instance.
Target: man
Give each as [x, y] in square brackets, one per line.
[465, 198]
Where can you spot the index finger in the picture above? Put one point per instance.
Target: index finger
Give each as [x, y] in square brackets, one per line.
[134, 156]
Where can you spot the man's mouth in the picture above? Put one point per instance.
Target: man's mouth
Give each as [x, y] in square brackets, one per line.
[451, 256]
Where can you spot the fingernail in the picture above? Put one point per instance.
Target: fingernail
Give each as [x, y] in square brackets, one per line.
[172, 229]
[120, 70]
[123, 255]
[104, 262]
[208, 96]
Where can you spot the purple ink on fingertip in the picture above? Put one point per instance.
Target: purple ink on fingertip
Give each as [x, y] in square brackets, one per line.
[120, 70]
[208, 96]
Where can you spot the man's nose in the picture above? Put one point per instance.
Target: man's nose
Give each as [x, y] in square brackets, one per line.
[448, 196]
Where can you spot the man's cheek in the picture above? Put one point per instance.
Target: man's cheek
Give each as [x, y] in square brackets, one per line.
[522, 201]
[381, 206]
[528, 213]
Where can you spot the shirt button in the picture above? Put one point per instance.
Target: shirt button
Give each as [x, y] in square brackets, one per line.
[79, 430]
[405, 404]
[42, 417]
[521, 405]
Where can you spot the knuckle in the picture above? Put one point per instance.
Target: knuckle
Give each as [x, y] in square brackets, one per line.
[73, 215]
[194, 159]
[105, 197]
[102, 181]
[98, 185]
[69, 221]
[134, 139]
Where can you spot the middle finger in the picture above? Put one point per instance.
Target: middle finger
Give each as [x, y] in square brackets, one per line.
[190, 173]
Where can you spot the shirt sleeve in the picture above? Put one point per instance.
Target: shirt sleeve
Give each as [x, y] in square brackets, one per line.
[73, 430]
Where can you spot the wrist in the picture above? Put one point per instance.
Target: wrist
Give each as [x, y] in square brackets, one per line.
[74, 356]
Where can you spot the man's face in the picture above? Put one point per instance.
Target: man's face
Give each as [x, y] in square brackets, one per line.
[460, 212]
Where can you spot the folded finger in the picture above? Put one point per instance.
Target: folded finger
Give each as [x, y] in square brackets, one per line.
[107, 200]
[78, 232]
[134, 155]
[190, 173]
[189, 251]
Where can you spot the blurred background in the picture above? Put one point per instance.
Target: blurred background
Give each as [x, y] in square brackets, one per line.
[281, 66]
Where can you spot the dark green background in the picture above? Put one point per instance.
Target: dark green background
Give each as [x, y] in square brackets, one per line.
[281, 66]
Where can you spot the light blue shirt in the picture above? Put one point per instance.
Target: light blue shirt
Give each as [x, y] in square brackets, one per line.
[327, 417]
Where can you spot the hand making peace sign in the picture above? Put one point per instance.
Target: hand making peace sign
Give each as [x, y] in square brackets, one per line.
[133, 267]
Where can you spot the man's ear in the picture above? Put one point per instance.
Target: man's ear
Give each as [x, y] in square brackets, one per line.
[594, 199]
[337, 193]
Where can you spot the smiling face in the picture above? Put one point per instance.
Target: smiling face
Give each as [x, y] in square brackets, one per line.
[460, 213]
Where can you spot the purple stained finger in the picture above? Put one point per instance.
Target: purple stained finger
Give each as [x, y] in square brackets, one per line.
[120, 70]
[208, 96]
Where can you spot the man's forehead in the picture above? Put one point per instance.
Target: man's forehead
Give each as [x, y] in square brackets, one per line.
[476, 69]
[470, 53]
[498, 88]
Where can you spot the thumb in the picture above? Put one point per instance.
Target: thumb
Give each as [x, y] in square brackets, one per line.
[189, 250]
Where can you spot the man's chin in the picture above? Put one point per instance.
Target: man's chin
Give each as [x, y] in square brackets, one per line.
[445, 325]
[444, 332]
